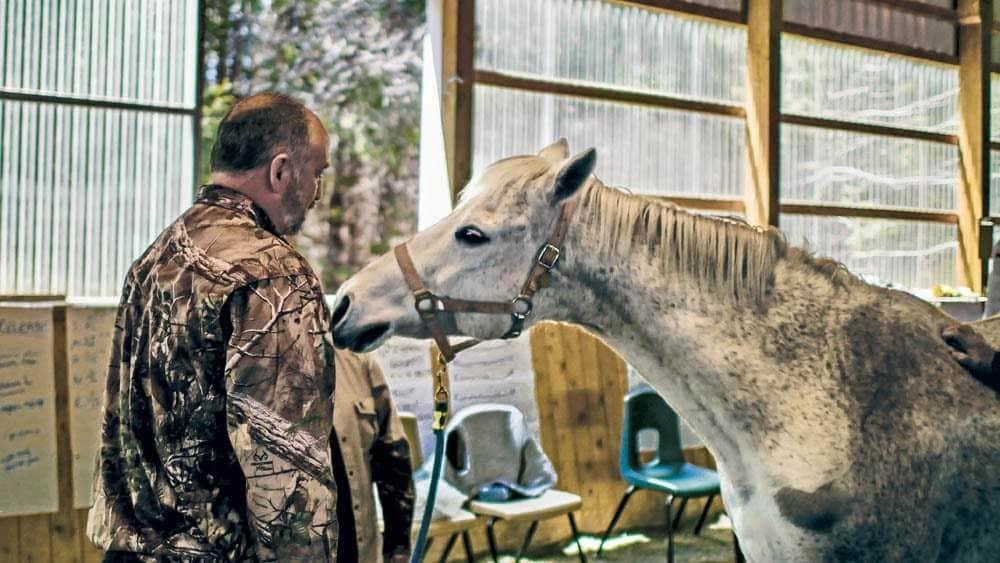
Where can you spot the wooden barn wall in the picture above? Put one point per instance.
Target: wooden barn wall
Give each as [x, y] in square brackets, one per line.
[579, 383]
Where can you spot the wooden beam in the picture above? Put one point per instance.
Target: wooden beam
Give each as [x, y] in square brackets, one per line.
[687, 8]
[919, 8]
[63, 524]
[604, 93]
[199, 94]
[869, 128]
[705, 203]
[456, 103]
[763, 110]
[825, 210]
[975, 24]
[876, 45]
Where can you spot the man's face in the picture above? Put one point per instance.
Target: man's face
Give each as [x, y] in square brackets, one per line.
[307, 184]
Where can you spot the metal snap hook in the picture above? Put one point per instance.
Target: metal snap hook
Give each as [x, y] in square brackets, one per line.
[522, 307]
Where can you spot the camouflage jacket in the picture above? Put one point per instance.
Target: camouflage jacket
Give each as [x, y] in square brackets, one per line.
[219, 407]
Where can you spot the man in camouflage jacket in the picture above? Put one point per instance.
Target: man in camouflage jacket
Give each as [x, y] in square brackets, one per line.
[226, 435]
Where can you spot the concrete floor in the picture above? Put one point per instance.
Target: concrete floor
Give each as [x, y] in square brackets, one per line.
[642, 546]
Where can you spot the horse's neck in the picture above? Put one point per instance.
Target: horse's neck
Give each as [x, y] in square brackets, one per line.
[741, 376]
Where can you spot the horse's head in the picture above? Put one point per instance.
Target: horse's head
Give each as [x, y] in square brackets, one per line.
[482, 251]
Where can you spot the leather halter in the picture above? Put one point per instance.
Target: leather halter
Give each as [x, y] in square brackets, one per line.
[429, 305]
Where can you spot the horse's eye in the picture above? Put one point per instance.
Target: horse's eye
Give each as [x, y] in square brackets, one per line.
[471, 235]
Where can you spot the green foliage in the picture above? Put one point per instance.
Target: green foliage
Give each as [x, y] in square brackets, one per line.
[216, 100]
[356, 63]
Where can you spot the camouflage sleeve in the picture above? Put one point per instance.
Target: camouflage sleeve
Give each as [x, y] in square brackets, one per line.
[279, 380]
[391, 469]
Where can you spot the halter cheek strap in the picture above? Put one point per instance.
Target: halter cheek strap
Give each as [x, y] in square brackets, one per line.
[429, 305]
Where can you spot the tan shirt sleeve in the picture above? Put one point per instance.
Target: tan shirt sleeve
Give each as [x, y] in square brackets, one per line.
[391, 469]
[279, 383]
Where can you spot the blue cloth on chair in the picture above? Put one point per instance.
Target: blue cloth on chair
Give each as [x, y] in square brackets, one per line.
[490, 454]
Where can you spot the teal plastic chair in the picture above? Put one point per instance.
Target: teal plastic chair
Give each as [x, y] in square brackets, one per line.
[668, 472]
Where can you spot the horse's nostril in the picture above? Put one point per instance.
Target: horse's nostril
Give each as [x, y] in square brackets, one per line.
[340, 312]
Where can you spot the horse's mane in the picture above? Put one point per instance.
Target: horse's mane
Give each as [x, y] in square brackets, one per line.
[726, 255]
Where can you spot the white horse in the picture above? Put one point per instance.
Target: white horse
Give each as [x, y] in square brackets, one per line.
[842, 428]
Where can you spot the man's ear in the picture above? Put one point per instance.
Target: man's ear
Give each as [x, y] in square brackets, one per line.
[573, 175]
[556, 152]
[279, 173]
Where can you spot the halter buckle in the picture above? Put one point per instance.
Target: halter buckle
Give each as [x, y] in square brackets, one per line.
[543, 256]
[522, 307]
[426, 302]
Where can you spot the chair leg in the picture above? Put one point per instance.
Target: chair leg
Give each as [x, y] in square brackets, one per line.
[527, 541]
[447, 548]
[704, 514]
[680, 512]
[491, 538]
[670, 530]
[736, 548]
[427, 548]
[576, 537]
[614, 519]
[467, 544]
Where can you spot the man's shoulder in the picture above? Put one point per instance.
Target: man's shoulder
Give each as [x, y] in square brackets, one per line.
[225, 247]
[235, 239]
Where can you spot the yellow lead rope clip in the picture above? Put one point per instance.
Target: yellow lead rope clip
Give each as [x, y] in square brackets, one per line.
[442, 399]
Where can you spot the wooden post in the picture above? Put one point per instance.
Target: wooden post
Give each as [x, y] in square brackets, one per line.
[456, 103]
[975, 24]
[763, 110]
[64, 527]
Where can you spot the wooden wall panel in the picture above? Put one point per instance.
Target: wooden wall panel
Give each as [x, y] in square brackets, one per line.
[10, 546]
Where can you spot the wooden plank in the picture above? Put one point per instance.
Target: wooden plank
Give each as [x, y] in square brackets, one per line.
[869, 128]
[36, 545]
[705, 203]
[975, 23]
[89, 552]
[548, 360]
[456, 103]
[10, 546]
[64, 532]
[686, 8]
[920, 9]
[870, 212]
[585, 431]
[868, 43]
[763, 110]
[604, 93]
[612, 376]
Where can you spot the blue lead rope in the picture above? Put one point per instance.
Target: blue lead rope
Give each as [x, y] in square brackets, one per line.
[442, 406]
[425, 523]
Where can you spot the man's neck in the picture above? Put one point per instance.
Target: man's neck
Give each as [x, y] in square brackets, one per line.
[247, 183]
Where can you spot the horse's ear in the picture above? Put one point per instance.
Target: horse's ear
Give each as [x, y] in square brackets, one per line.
[573, 174]
[556, 152]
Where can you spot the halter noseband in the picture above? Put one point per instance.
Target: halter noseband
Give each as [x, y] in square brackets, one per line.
[428, 305]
